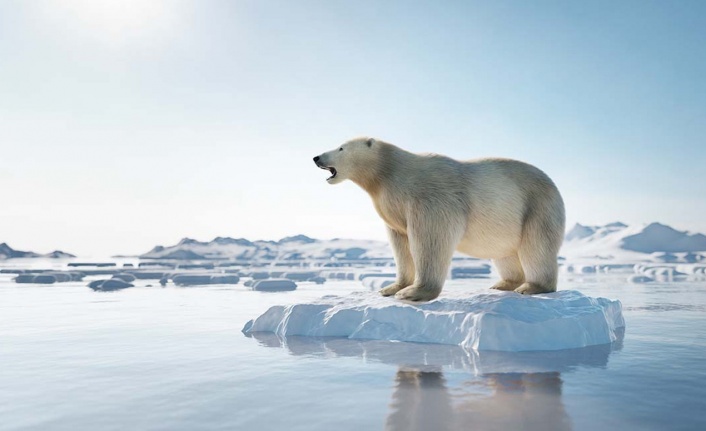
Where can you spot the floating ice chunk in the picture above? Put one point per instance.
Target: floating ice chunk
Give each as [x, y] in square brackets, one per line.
[377, 283]
[114, 284]
[128, 278]
[191, 279]
[300, 276]
[95, 284]
[502, 321]
[274, 285]
[225, 279]
[108, 285]
[44, 279]
[24, 278]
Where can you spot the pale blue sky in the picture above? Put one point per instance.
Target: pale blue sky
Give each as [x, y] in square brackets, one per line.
[129, 124]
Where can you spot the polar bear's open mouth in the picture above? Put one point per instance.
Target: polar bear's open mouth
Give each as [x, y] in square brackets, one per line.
[330, 169]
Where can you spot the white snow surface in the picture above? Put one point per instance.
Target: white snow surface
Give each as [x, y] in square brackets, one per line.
[498, 321]
[636, 243]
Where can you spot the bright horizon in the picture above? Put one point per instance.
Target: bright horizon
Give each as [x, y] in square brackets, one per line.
[124, 125]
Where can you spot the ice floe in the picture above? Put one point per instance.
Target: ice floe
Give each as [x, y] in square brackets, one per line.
[499, 321]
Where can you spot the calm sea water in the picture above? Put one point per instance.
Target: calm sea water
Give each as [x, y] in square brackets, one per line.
[153, 358]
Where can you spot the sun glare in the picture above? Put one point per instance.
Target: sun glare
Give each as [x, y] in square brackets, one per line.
[117, 22]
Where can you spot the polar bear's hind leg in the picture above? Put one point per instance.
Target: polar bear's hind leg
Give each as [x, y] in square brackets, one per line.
[511, 273]
[541, 239]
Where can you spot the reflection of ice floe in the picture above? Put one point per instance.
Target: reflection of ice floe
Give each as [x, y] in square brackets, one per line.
[639, 279]
[432, 356]
[594, 268]
[581, 269]
[646, 273]
[693, 270]
[502, 321]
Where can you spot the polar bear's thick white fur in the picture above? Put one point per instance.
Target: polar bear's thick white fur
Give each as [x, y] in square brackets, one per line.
[499, 209]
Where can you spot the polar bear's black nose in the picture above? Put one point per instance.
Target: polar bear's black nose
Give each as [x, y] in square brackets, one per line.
[316, 159]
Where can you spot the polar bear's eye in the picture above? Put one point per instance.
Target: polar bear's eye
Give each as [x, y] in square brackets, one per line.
[340, 149]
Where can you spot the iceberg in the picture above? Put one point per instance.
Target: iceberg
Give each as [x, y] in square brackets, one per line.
[495, 321]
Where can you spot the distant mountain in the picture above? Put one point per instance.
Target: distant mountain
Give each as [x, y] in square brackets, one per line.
[58, 254]
[657, 237]
[580, 231]
[620, 241]
[7, 252]
[299, 247]
[611, 241]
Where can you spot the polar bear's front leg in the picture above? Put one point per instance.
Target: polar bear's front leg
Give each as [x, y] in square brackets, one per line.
[432, 238]
[404, 262]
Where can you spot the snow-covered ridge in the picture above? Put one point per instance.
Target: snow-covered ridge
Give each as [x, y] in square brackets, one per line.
[7, 252]
[613, 241]
[638, 242]
[299, 247]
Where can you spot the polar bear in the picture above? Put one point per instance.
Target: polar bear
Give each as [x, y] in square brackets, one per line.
[499, 209]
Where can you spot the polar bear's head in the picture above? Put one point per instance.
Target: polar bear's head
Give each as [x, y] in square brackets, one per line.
[353, 160]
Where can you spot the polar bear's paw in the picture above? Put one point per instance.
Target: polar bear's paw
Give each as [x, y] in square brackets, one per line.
[532, 288]
[391, 289]
[506, 285]
[417, 293]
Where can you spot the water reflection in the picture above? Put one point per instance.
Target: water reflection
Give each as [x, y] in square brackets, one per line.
[421, 400]
[503, 390]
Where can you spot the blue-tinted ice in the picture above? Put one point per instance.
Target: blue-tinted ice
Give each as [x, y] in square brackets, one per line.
[499, 321]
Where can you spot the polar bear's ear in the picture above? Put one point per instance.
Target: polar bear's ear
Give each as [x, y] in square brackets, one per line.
[370, 142]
